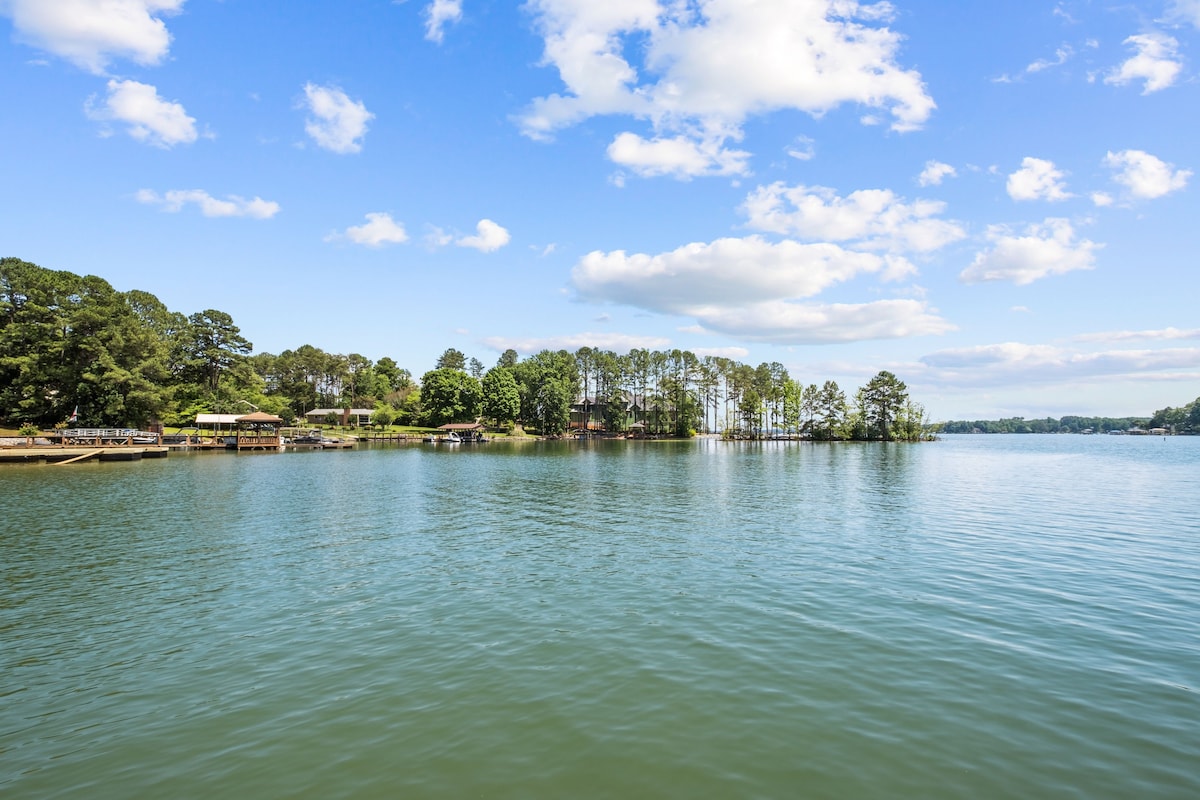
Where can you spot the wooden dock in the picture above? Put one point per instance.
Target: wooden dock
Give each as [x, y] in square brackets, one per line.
[64, 454]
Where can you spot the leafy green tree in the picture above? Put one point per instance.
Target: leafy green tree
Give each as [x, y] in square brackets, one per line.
[383, 415]
[793, 402]
[212, 343]
[883, 400]
[830, 411]
[534, 373]
[501, 398]
[1193, 416]
[450, 395]
[298, 377]
[585, 361]
[508, 359]
[615, 405]
[396, 377]
[33, 331]
[68, 341]
[451, 359]
[911, 424]
[750, 409]
[360, 383]
[554, 406]
[412, 409]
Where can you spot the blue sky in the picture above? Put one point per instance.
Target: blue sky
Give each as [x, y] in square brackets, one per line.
[995, 201]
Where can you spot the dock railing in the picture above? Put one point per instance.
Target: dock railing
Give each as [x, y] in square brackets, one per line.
[108, 437]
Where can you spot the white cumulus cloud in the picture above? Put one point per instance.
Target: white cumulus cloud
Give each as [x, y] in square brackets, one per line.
[935, 172]
[1144, 175]
[378, 230]
[232, 206]
[148, 117]
[869, 218]
[1155, 62]
[677, 156]
[90, 33]
[726, 271]
[705, 68]
[750, 288]
[336, 122]
[488, 237]
[1042, 250]
[438, 14]
[1037, 179]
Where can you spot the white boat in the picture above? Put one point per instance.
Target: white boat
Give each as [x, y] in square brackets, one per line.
[452, 438]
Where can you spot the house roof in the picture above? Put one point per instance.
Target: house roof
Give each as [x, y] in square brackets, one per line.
[460, 426]
[216, 419]
[259, 416]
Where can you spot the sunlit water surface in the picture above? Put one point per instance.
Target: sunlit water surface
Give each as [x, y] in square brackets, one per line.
[980, 617]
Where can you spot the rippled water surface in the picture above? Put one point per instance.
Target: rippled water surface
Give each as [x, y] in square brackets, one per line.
[978, 617]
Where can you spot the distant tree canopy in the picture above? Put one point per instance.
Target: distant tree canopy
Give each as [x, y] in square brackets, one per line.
[1182, 420]
[1070, 424]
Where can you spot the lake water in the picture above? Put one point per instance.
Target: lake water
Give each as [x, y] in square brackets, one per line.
[979, 617]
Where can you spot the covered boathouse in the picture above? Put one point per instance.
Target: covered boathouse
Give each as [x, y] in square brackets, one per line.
[258, 431]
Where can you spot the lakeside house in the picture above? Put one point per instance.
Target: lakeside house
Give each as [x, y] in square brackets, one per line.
[588, 413]
[356, 417]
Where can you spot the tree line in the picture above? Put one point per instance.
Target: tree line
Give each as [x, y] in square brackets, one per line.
[72, 342]
[1182, 420]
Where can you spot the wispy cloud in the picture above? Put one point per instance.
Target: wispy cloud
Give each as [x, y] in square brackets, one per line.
[1162, 334]
[1061, 56]
[231, 206]
[1016, 363]
[722, 352]
[617, 342]
[802, 149]
[1185, 11]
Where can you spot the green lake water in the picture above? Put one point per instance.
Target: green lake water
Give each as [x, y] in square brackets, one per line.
[979, 617]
